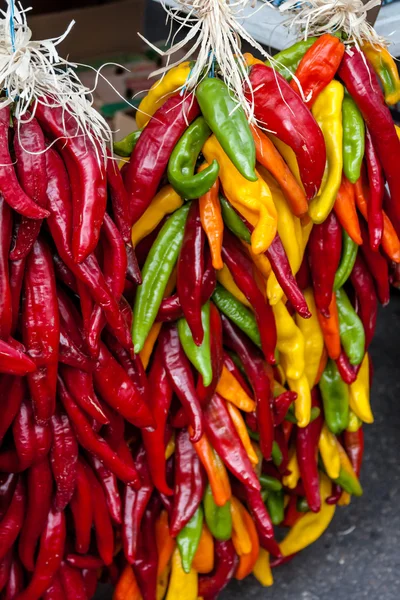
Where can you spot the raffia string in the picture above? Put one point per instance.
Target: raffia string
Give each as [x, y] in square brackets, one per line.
[315, 17]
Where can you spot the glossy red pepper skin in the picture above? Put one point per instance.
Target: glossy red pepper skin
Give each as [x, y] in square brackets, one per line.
[109, 483]
[189, 484]
[24, 435]
[151, 154]
[84, 562]
[217, 357]
[377, 266]
[8, 483]
[146, 561]
[80, 386]
[11, 523]
[133, 271]
[347, 371]
[260, 375]
[89, 577]
[307, 439]
[15, 583]
[70, 354]
[64, 458]
[324, 252]
[55, 591]
[72, 582]
[14, 361]
[225, 440]
[5, 567]
[10, 187]
[181, 378]
[226, 562]
[281, 110]
[363, 85]
[29, 148]
[336, 494]
[87, 175]
[82, 510]
[15, 388]
[262, 521]
[281, 406]
[119, 198]
[367, 301]
[376, 188]
[190, 272]
[135, 503]
[5, 290]
[354, 446]
[160, 396]
[16, 278]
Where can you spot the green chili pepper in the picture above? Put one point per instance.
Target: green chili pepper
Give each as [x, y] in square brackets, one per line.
[155, 274]
[335, 398]
[353, 139]
[233, 221]
[270, 483]
[228, 121]
[188, 539]
[237, 313]
[276, 454]
[349, 483]
[125, 147]
[218, 518]
[264, 495]
[276, 507]
[199, 356]
[349, 255]
[351, 329]
[288, 60]
[314, 414]
[302, 505]
[183, 159]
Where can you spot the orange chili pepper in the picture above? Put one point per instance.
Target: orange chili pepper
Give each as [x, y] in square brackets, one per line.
[240, 535]
[203, 561]
[330, 330]
[346, 212]
[252, 60]
[390, 241]
[127, 587]
[269, 157]
[165, 543]
[211, 220]
[230, 389]
[215, 469]
[247, 561]
[241, 429]
[322, 365]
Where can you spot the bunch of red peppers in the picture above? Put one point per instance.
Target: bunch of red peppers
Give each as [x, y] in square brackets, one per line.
[184, 341]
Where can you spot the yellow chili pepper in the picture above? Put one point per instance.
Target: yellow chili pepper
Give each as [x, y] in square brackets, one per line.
[230, 389]
[274, 290]
[160, 91]
[224, 276]
[170, 449]
[182, 586]
[312, 525]
[292, 479]
[289, 156]
[302, 404]
[251, 60]
[203, 561]
[262, 569]
[164, 203]
[359, 393]
[260, 260]
[313, 339]
[290, 342]
[386, 69]
[344, 499]
[240, 536]
[329, 452]
[162, 583]
[327, 110]
[354, 422]
[252, 199]
[242, 432]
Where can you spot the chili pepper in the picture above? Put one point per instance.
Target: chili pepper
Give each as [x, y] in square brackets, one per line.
[15, 583]
[24, 435]
[109, 484]
[72, 581]
[165, 543]
[347, 371]
[347, 479]
[70, 354]
[226, 562]
[165, 202]
[6, 315]
[39, 496]
[81, 506]
[330, 329]
[11, 189]
[240, 534]
[262, 569]
[147, 164]
[324, 255]
[262, 520]
[80, 386]
[146, 560]
[189, 483]
[281, 110]
[354, 444]
[12, 521]
[218, 518]
[94, 443]
[84, 562]
[188, 539]
[215, 469]
[354, 422]
[346, 211]
[313, 339]
[203, 560]
[318, 67]
[335, 397]
[337, 492]
[233, 221]
[242, 432]
[181, 584]
[64, 458]
[230, 389]
[275, 507]
[364, 88]
[181, 378]
[282, 403]
[8, 484]
[252, 199]
[15, 388]
[156, 272]
[16, 278]
[211, 221]
[386, 69]
[5, 566]
[119, 198]
[377, 266]
[14, 361]
[290, 342]
[376, 189]
[119, 391]
[237, 313]
[287, 61]
[204, 393]
[133, 273]
[307, 439]
[352, 333]
[359, 393]
[353, 139]
[347, 260]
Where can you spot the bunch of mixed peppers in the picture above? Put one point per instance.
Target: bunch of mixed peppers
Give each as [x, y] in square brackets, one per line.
[158, 450]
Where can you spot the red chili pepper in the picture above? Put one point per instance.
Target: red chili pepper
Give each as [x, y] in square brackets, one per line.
[15, 388]
[80, 386]
[64, 458]
[71, 319]
[307, 439]
[5, 567]
[117, 389]
[324, 252]
[282, 435]
[56, 589]
[226, 562]
[281, 406]
[363, 85]
[217, 357]
[12, 520]
[181, 377]
[336, 494]
[84, 562]
[376, 187]
[190, 272]
[135, 503]
[259, 375]
[262, 520]
[146, 562]
[119, 198]
[366, 298]
[281, 110]
[24, 435]
[14, 361]
[377, 266]
[82, 510]
[39, 495]
[8, 483]
[109, 483]
[87, 176]
[189, 485]
[151, 154]
[9, 461]
[16, 278]
[11, 190]
[347, 371]
[29, 148]
[89, 577]
[354, 445]
[160, 396]
[283, 560]
[292, 515]
[70, 354]
[64, 273]
[224, 438]
[5, 290]
[133, 272]
[15, 583]
[73, 583]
